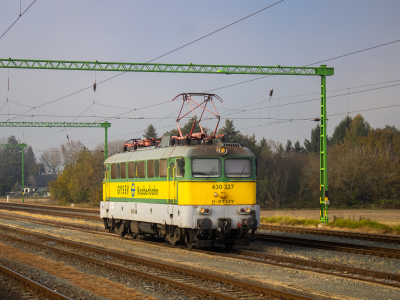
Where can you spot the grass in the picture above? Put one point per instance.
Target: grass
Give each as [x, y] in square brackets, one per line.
[362, 224]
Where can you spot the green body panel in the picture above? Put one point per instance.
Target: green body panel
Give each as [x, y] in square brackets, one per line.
[165, 68]
[156, 154]
[141, 200]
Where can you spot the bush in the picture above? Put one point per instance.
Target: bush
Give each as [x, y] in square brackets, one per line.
[80, 182]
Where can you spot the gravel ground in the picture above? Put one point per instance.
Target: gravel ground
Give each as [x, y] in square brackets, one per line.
[326, 287]
[12, 289]
[61, 286]
[361, 261]
[152, 288]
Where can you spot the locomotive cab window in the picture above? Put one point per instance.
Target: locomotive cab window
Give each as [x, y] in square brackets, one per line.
[113, 171]
[236, 167]
[150, 168]
[131, 170]
[180, 167]
[142, 169]
[172, 169]
[163, 168]
[206, 167]
[123, 170]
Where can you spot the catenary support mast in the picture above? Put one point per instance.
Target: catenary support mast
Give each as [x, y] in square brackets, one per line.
[323, 200]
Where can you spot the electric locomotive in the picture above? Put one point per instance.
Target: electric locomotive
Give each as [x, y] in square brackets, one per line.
[201, 194]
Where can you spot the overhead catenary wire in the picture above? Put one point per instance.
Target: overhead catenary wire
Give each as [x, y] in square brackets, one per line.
[229, 114]
[310, 64]
[322, 61]
[181, 47]
[20, 15]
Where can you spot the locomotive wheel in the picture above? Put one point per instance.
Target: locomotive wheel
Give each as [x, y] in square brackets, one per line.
[175, 238]
[133, 235]
[120, 230]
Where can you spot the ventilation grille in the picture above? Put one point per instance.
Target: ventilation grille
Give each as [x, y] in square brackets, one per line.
[231, 145]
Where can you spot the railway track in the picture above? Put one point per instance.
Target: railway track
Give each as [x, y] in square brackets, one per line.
[384, 278]
[47, 211]
[382, 238]
[36, 287]
[215, 286]
[310, 243]
[334, 246]
[61, 208]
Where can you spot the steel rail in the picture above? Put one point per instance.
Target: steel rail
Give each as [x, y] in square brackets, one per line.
[342, 247]
[59, 224]
[52, 213]
[77, 210]
[283, 261]
[252, 288]
[37, 287]
[383, 238]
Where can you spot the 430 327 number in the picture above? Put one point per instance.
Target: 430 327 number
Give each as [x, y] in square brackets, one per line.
[222, 186]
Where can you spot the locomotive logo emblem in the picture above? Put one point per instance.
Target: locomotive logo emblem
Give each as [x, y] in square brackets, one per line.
[133, 190]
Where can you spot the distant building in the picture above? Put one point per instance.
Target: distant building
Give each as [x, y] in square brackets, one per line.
[37, 183]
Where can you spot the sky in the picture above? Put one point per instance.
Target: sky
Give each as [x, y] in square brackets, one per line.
[290, 33]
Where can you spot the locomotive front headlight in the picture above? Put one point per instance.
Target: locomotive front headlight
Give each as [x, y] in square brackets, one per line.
[222, 150]
[244, 211]
[202, 210]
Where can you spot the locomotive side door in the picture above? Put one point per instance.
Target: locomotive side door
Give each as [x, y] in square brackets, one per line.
[172, 181]
[106, 184]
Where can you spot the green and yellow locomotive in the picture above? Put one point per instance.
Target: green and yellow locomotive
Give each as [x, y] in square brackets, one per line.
[200, 194]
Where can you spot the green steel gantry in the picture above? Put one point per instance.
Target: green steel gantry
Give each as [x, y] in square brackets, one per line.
[62, 124]
[23, 177]
[322, 71]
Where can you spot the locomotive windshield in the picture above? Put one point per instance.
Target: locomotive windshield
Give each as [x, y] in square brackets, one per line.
[206, 167]
[237, 167]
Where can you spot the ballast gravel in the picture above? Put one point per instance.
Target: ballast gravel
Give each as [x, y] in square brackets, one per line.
[61, 286]
[146, 287]
[320, 285]
[390, 265]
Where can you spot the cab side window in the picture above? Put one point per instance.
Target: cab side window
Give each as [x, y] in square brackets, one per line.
[113, 171]
[163, 168]
[142, 169]
[171, 170]
[150, 168]
[123, 170]
[131, 170]
[180, 167]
